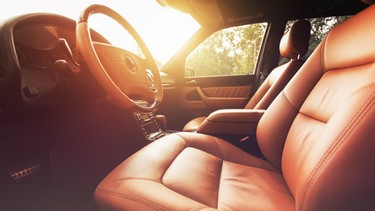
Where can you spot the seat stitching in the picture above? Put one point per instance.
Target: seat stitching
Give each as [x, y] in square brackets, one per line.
[285, 98]
[139, 200]
[323, 65]
[198, 208]
[218, 187]
[131, 178]
[161, 182]
[322, 54]
[170, 151]
[364, 88]
[315, 174]
[335, 146]
[311, 117]
[222, 155]
[186, 145]
[219, 147]
[128, 178]
[350, 66]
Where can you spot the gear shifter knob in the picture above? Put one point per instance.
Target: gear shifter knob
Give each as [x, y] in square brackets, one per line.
[162, 121]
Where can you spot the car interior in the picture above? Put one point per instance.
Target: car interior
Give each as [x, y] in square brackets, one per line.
[293, 45]
[268, 106]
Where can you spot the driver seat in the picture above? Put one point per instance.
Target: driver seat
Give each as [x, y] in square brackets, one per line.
[317, 138]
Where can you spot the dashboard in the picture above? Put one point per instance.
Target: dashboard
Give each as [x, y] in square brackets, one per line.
[37, 45]
[36, 68]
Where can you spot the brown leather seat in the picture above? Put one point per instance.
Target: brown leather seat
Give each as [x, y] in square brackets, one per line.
[317, 137]
[293, 45]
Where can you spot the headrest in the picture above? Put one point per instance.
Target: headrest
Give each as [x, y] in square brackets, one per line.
[295, 42]
[351, 43]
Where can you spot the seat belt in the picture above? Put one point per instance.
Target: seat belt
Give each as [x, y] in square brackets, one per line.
[262, 78]
[259, 81]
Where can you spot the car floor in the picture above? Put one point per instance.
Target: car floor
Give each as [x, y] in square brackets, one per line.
[73, 150]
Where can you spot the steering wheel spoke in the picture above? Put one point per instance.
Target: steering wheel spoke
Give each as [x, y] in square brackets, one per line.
[126, 77]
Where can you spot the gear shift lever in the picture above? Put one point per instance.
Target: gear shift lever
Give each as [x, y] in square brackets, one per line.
[162, 121]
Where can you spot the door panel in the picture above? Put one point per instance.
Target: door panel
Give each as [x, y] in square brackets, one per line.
[204, 95]
[218, 72]
[226, 92]
[200, 96]
[215, 97]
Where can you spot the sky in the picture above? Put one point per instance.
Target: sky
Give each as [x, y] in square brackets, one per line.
[164, 30]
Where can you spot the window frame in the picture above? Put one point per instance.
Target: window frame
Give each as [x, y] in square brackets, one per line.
[258, 49]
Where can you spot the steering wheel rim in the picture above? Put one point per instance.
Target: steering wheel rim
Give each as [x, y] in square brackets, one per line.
[116, 93]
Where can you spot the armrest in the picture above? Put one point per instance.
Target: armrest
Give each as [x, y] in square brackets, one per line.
[231, 121]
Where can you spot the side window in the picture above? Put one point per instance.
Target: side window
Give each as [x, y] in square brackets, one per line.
[231, 51]
[319, 29]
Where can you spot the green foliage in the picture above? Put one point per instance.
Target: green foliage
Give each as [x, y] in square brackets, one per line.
[231, 51]
[234, 51]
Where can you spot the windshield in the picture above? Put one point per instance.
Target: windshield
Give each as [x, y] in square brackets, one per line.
[163, 29]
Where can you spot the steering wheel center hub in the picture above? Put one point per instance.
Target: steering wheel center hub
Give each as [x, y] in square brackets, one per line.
[122, 74]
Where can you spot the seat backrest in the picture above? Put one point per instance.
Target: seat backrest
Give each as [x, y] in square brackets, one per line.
[293, 45]
[319, 132]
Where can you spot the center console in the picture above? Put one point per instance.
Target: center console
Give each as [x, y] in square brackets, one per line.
[150, 127]
[237, 126]
[231, 122]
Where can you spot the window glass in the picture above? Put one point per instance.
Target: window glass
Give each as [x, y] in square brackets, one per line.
[231, 51]
[163, 29]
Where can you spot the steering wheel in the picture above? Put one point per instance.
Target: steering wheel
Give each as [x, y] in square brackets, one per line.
[129, 80]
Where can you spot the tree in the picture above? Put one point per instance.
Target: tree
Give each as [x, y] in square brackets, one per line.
[234, 51]
[231, 51]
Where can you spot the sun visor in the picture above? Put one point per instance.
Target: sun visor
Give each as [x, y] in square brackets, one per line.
[206, 12]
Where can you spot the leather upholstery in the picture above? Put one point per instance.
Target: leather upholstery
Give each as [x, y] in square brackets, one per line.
[293, 45]
[193, 124]
[231, 122]
[322, 140]
[191, 171]
[317, 138]
[273, 84]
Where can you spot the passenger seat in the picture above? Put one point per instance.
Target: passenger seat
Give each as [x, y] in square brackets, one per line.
[293, 45]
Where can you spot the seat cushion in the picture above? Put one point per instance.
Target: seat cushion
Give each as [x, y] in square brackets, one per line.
[193, 172]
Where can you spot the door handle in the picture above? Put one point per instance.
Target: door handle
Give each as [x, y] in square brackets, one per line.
[192, 82]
